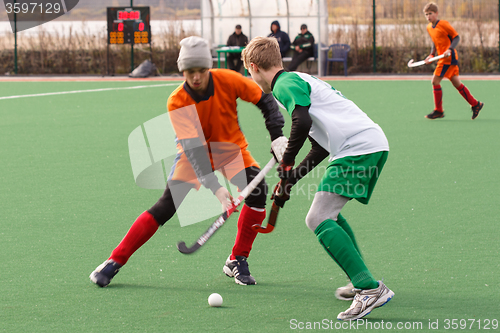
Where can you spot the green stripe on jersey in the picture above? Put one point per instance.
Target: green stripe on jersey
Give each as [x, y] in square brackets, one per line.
[290, 90]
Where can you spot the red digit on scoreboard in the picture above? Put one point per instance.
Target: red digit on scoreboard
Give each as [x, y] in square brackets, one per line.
[133, 15]
[141, 26]
[120, 26]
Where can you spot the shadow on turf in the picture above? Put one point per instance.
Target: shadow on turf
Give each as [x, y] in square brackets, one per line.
[133, 286]
[462, 119]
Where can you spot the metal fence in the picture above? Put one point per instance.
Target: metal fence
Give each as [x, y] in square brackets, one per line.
[401, 24]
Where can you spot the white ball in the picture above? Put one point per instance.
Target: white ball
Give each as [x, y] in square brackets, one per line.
[215, 300]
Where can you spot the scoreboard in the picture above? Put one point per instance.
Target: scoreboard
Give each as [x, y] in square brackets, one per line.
[128, 25]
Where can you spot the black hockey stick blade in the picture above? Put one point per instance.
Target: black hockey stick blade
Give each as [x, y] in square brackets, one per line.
[181, 246]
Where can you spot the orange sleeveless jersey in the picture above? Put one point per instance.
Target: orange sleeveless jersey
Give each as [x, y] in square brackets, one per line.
[213, 121]
[442, 35]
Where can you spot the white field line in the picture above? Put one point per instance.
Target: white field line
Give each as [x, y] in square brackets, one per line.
[86, 91]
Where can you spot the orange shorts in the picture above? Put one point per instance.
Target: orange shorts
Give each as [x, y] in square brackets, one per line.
[447, 71]
[229, 159]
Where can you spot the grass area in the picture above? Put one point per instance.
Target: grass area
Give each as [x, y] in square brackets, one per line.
[68, 197]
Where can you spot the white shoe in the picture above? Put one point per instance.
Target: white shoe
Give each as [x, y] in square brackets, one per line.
[365, 301]
[238, 268]
[346, 293]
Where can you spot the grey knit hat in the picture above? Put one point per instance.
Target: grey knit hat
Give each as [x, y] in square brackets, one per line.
[194, 53]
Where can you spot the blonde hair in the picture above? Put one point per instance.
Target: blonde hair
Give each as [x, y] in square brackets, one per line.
[262, 51]
[431, 7]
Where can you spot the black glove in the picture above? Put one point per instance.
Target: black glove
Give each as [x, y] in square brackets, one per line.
[281, 193]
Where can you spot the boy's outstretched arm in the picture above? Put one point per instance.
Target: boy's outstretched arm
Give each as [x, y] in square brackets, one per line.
[315, 156]
[197, 155]
[432, 54]
[274, 123]
[301, 124]
[272, 115]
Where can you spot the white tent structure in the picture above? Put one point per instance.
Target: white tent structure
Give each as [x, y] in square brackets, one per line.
[219, 17]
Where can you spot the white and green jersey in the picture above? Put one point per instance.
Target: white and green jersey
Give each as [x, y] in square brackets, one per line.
[338, 125]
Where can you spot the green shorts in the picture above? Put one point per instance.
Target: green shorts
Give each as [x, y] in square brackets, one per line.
[354, 176]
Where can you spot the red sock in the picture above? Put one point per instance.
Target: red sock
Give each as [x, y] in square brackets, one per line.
[467, 95]
[139, 233]
[245, 235]
[438, 98]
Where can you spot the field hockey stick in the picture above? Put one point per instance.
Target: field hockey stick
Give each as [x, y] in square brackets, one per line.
[422, 62]
[181, 246]
[271, 220]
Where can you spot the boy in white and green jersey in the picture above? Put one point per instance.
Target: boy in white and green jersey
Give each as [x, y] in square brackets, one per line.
[357, 148]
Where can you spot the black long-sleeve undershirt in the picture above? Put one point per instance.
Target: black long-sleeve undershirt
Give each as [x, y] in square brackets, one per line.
[453, 45]
[301, 124]
[315, 156]
[273, 118]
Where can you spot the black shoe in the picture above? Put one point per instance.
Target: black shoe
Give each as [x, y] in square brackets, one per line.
[103, 274]
[238, 269]
[435, 114]
[476, 109]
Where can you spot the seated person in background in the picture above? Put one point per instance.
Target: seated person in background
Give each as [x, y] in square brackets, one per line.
[281, 36]
[304, 43]
[234, 61]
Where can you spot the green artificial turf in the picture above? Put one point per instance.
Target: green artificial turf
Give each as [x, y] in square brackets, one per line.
[67, 198]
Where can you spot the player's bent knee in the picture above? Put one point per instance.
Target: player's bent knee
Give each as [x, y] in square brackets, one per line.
[325, 206]
[258, 197]
[313, 220]
[162, 212]
[165, 207]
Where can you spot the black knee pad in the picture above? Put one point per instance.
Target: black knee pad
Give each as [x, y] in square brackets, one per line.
[164, 208]
[258, 196]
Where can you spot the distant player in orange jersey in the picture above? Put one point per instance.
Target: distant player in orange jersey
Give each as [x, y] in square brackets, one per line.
[445, 39]
[203, 112]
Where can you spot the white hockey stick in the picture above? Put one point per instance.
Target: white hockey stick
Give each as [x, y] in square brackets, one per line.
[182, 247]
[422, 62]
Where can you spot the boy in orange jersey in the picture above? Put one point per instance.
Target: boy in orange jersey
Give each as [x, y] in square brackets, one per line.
[445, 39]
[203, 113]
